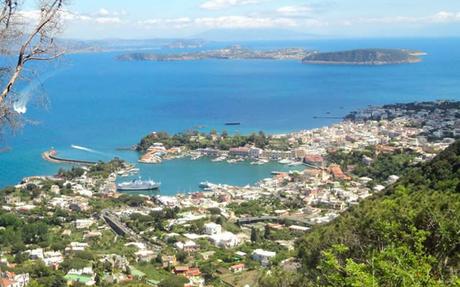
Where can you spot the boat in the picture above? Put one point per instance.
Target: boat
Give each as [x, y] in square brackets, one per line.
[205, 185]
[221, 158]
[138, 185]
[232, 124]
[285, 161]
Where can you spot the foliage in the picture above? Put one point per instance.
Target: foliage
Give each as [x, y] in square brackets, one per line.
[173, 281]
[407, 236]
[195, 140]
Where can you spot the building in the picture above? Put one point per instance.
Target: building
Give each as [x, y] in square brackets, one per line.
[239, 152]
[83, 223]
[237, 268]
[337, 172]
[225, 240]
[209, 152]
[314, 160]
[255, 152]
[212, 228]
[10, 279]
[187, 246]
[263, 256]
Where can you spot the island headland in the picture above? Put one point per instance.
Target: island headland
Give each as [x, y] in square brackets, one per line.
[237, 52]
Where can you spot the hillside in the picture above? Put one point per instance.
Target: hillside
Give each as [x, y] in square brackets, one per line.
[364, 57]
[406, 236]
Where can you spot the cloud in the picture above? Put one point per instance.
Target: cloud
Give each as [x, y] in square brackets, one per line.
[294, 11]
[222, 4]
[220, 22]
[438, 18]
[103, 16]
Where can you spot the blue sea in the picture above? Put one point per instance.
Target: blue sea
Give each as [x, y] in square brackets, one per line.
[102, 104]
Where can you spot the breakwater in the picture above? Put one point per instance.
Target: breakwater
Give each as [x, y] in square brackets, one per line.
[51, 156]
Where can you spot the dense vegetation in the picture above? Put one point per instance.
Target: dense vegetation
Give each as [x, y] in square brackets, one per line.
[363, 56]
[381, 166]
[194, 140]
[407, 236]
[101, 169]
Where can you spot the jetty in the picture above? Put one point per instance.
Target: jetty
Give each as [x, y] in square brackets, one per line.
[51, 156]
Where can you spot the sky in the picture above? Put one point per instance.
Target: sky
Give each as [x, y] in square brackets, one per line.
[136, 19]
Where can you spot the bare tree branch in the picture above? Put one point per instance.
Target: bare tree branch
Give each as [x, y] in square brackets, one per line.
[38, 45]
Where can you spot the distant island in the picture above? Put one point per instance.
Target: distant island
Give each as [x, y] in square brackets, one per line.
[233, 52]
[365, 57]
[237, 52]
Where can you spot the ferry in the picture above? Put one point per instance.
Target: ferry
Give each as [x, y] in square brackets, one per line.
[138, 185]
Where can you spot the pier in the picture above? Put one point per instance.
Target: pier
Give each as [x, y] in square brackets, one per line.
[51, 156]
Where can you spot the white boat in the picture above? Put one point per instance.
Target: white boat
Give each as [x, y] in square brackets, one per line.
[138, 185]
[285, 161]
[221, 158]
[206, 185]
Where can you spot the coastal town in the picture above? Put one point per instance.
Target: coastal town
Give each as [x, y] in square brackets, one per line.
[76, 228]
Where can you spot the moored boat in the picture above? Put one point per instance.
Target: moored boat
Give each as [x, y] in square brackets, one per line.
[138, 185]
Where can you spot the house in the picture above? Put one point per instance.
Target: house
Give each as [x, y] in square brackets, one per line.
[212, 228]
[83, 223]
[35, 254]
[237, 268]
[186, 271]
[76, 246]
[53, 258]
[239, 152]
[337, 172]
[314, 160]
[225, 240]
[255, 152]
[10, 279]
[187, 246]
[263, 256]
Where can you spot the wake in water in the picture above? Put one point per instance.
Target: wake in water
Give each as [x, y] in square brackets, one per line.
[85, 149]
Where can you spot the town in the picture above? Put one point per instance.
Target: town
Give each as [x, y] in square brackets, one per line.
[76, 229]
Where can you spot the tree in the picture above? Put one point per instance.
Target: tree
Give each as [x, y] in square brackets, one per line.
[267, 232]
[37, 44]
[254, 235]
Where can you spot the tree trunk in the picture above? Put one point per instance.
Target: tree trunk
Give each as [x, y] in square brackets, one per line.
[11, 83]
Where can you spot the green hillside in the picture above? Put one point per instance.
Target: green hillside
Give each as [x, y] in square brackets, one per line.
[363, 56]
[407, 236]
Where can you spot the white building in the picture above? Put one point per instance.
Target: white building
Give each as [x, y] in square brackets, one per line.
[263, 256]
[212, 228]
[53, 258]
[83, 223]
[225, 240]
[76, 246]
[255, 152]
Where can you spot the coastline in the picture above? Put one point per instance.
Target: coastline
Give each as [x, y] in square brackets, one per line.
[374, 63]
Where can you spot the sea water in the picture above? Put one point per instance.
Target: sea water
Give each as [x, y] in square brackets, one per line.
[101, 104]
